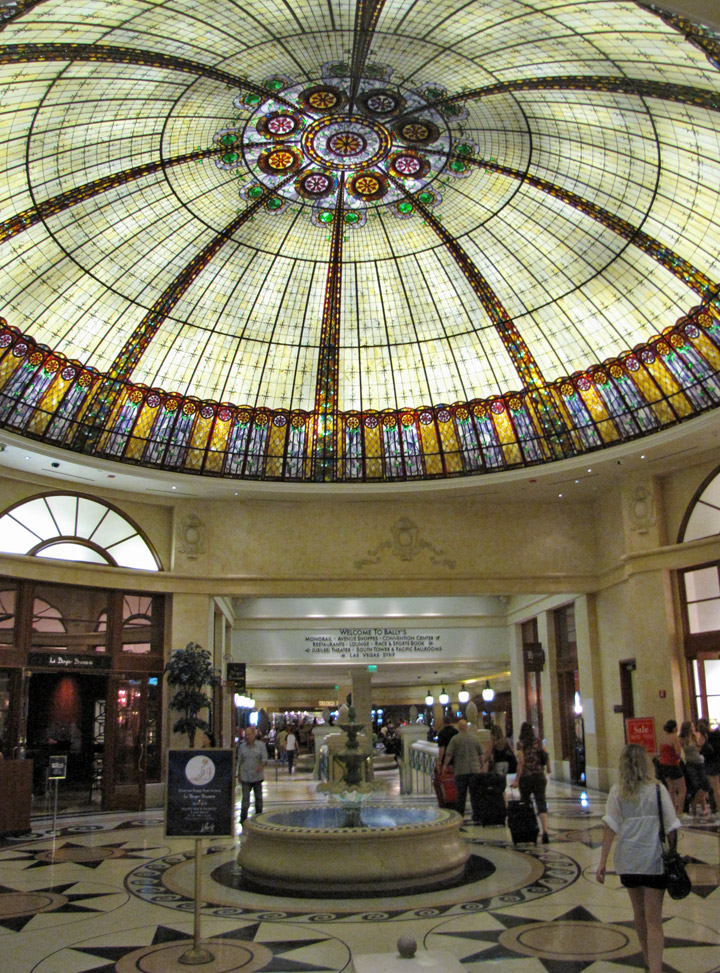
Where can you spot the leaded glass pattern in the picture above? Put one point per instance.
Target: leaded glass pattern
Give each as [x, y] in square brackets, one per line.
[527, 266]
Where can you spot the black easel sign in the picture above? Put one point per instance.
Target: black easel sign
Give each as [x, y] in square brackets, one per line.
[200, 792]
[57, 767]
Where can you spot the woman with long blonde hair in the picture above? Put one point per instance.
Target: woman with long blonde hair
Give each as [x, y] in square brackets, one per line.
[632, 815]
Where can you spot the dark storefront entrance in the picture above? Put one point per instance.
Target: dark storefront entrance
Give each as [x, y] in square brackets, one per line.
[83, 668]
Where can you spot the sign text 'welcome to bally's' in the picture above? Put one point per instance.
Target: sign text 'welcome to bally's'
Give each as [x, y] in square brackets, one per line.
[371, 643]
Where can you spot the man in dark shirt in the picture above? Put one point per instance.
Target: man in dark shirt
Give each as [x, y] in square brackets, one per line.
[444, 737]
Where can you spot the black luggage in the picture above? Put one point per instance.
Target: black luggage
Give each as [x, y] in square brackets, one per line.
[522, 822]
[491, 799]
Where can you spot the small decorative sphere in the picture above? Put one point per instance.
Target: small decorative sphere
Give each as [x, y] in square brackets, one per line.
[407, 946]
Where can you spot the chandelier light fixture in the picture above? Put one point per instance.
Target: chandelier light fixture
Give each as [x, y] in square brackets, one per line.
[444, 698]
[429, 698]
[463, 695]
[488, 693]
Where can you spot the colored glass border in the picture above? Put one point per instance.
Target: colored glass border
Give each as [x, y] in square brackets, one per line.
[669, 379]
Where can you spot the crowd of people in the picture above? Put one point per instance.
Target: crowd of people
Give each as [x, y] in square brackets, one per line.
[688, 763]
[680, 783]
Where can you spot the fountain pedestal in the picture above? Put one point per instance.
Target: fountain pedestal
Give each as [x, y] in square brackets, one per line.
[353, 849]
[309, 851]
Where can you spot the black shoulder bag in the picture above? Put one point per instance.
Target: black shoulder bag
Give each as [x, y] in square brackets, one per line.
[678, 880]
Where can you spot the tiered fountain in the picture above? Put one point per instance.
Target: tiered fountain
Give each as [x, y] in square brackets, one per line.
[354, 848]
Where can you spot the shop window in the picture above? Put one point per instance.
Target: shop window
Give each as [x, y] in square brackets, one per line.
[72, 527]
[8, 599]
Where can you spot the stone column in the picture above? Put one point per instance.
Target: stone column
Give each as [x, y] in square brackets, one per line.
[361, 681]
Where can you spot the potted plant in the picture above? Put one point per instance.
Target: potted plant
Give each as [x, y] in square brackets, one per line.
[188, 671]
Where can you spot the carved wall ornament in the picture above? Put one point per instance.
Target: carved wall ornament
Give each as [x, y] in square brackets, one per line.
[191, 536]
[642, 510]
[405, 544]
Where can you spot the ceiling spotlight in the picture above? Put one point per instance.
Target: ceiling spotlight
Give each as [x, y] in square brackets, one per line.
[443, 698]
[429, 698]
[488, 693]
[463, 695]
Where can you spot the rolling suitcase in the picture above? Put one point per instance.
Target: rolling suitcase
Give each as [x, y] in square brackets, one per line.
[491, 799]
[445, 788]
[522, 823]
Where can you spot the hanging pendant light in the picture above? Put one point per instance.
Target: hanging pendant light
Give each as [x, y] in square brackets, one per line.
[429, 699]
[463, 695]
[488, 693]
[443, 698]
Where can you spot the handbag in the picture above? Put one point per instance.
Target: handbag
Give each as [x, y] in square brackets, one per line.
[678, 880]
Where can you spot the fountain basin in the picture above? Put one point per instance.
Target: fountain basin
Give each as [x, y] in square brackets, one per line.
[399, 850]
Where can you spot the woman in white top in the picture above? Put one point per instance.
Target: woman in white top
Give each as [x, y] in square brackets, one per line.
[631, 813]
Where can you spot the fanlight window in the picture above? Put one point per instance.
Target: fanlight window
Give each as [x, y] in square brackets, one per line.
[704, 519]
[702, 583]
[75, 528]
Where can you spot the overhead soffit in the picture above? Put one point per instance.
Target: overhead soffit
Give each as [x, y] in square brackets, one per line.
[497, 247]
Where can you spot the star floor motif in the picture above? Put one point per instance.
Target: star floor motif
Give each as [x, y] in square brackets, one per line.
[572, 942]
[259, 947]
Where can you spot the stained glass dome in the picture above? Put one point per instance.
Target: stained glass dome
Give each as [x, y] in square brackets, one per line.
[356, 242]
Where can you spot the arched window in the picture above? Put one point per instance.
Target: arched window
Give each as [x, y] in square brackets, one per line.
[703, 517]
[73, 527]
[700, 596]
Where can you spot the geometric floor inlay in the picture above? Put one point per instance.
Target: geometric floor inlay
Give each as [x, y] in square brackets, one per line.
[508, 877]
[19, 906]
[572, 942]
[251, 948]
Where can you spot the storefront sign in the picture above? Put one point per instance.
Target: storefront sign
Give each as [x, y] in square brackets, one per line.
[534, 657]
[641, 729]
[236, 674]
[199, 794]
[54, 660]
[57, 766]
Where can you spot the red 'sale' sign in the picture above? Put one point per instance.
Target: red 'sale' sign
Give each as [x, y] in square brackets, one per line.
[641, 729]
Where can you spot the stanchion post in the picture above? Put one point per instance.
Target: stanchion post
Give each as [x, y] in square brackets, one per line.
[54, 827]
[197, 956]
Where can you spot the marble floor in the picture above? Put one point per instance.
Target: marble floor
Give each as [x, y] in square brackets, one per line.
[109, 893]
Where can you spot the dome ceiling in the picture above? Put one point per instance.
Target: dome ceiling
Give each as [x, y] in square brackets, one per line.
[356, 241]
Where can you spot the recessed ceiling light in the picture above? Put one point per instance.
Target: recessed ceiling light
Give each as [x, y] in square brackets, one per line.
[559, 494]
[642, 456]
[589, 471]
[27, 457]
[174, 488]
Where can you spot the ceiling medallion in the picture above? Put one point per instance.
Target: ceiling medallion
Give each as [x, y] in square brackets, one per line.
[387, 149]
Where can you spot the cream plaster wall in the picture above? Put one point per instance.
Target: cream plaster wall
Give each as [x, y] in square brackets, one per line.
[353, 547]
[619, 550]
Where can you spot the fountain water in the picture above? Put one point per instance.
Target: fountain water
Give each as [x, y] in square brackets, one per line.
[354, 850]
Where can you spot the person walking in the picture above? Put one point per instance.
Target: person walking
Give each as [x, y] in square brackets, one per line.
[697, 783]
[291, 747]
[533, 762]
[252, 757]
[669, 769]
[280, 744]
[710, 752]
[465, 752]
[631, 815]
[499, 758]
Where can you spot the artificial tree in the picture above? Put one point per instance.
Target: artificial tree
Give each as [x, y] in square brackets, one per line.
[189, 670]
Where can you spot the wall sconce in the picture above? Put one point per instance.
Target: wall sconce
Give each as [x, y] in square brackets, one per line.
[429, 699]
[463, 695]
[488, 693]
[443, 698]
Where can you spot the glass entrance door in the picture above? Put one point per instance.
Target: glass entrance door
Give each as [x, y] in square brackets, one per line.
[126, 731]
